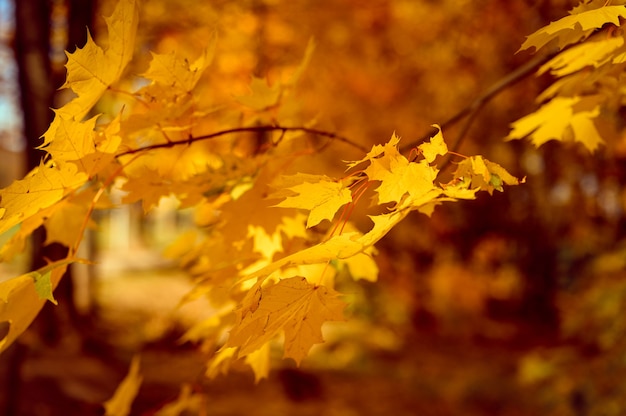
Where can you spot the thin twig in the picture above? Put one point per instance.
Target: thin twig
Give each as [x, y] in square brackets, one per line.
[474, 107]
[252, 129]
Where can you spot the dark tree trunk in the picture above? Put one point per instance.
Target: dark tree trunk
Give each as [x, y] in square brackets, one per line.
[32, 30]
[32, 47]
[38, 81]
[81, 15]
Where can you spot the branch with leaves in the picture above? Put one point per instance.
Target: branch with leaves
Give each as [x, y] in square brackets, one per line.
[277, 241]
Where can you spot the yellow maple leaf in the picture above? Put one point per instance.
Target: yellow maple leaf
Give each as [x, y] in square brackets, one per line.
[562, 118]
[187, 402]
[42, 187]
[22, 297]
[592, 53]
[91, 69]
[221, 361]
[382, 153]
[17, 243]
[483, 174]
[362, 266]
[68, 140]
[122, 400]
[435, 147]
[402, 178]
[292, 305]
[174, 72]
[399, 177]
[262, 96]
[320, 195]
[259, 360]
[575, 27]
[65, 221]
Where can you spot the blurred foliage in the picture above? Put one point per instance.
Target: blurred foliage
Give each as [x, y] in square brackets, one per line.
[536, 271]
[510, 301]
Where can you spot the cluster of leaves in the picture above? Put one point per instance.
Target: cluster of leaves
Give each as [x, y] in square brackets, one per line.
[271, 261]
[588, 71]
[583, 104]
[270, 246]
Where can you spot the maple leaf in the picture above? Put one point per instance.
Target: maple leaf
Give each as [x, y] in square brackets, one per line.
[362, 266]
[399, 177]
[262, 96]
[292, 305]
[17, 243]
[187, 402]
[589, 54]
[562, 118]
[460, 189]
[220, 362]
[91, 69]
[575, 27]
[259, 360]
[64, 221]
[68, 140]
[149, 186]
[319, 194]
[42, 187]
[484, 174]
[383, 153]
[435, 147]
[22, 297]
[414, 179]
[174, 72]
[122, 400]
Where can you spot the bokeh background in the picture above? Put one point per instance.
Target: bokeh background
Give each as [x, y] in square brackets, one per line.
[511, 304]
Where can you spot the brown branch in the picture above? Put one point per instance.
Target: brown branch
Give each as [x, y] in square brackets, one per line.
[475, 106]
[471, 110]
[252, 129]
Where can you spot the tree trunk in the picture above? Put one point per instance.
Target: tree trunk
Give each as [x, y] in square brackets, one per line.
[38, 81]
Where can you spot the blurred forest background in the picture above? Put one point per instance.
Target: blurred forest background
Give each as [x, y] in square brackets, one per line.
[511, 304]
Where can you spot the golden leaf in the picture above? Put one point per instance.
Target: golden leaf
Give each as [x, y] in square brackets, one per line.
[122, 400]
[590, 53]
[21, 298]
[259, 360]
[174, 72]
[322, 198]
[91, 70]
[483, 174]
[41, 188]
[436, 147]
[292, 305]
[573, 28]
[562, 118]
[262, 95]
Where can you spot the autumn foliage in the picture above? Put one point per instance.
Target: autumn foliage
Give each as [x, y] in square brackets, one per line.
[273, 241]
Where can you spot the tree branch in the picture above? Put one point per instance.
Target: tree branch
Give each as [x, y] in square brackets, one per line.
[471, 110]
[475, 106]
[252, 129]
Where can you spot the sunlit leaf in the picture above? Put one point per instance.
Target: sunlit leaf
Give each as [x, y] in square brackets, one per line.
[292, 305]
[121, 402]
[562, 118]
[575, 27]
[91, 69]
